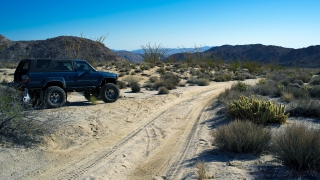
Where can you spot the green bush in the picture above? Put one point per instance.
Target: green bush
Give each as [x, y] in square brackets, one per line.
[298, 147]
[257, 110]
[163, 90]
[135, 88]
[242, 137]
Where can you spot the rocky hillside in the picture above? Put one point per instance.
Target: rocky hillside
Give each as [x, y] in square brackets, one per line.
[304, 57]
[58, 47]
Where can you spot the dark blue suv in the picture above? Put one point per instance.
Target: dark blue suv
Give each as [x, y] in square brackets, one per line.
[47, 81]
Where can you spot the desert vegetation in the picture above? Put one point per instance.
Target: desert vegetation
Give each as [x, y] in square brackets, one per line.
[256, 115]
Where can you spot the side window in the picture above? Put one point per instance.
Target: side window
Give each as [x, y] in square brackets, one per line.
[43, 64]
[62, 66]
[82, 66]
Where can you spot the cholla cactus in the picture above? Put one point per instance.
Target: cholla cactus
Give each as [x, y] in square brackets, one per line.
[257, 110]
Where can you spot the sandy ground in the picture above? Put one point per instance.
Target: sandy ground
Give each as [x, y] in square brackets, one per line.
[140, 136]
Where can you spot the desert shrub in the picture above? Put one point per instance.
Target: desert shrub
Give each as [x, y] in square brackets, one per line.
[305, 108]
[16, 127]
[298, 147]
[121, 84]
[229, 95]
[203, 82]
[161, 70]
[131, 80]
[304, 77]
[93, 100]
[137, 70]
[122, 74]
[133, 73]
[168, 80]
[220, 78]
[135, 87]
[268, 88]
[257, 110]
[239, 77]
[314, 91]
[201, 171]
[298, 93]
[240, 86]
[242, 137]
[153, 79]
[315, 80]
[298, 81]
[287, 97]
[163, 90]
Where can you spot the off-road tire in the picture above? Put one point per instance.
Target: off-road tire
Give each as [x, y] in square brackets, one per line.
[109, 93]
[54, 97]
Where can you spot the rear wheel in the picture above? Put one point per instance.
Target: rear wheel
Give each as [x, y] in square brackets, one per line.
[54, 97]
[109, 93]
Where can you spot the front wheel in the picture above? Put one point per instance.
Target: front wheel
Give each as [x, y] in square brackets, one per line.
[54, 97]
[109, 93]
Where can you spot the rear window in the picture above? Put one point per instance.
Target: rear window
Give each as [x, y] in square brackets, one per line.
[43, 64]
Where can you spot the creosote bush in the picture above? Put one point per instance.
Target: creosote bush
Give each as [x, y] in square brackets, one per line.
[298, 147]
[242, 137]
[257, 110]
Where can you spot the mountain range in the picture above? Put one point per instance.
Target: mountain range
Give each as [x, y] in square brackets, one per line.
[303, 57]
[82, 48]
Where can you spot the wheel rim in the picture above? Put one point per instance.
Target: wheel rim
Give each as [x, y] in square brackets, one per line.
[55, 98]
[111, 93]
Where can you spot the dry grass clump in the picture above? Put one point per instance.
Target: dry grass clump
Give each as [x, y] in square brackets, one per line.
[242, 137]
[163, 90]
[257, 110]
[298, 147]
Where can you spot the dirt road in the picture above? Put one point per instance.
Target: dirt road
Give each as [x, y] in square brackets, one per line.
[141, 136]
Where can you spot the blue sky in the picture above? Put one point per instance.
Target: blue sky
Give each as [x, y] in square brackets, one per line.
[172, 23]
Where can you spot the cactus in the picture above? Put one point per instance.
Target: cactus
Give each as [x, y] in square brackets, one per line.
[257, 110]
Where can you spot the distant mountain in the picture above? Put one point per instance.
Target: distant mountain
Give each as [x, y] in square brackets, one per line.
[130, 56]
[137, 55]
[304, 57]
[59, 47]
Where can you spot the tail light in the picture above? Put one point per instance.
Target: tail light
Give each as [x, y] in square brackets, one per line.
[27, 79]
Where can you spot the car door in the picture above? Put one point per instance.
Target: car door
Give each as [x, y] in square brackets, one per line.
[66, 70]
[87, 76]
